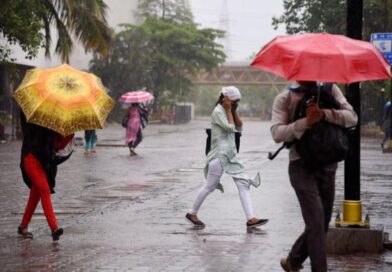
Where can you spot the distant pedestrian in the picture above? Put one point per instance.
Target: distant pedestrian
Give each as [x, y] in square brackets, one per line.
[3, 117]
[313, 185]
[90, 137]
[42, 150]
[2, 133]
[136, 119]
[387, 124]
[222, 157]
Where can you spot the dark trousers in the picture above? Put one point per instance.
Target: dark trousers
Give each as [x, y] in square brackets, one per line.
[315, 190]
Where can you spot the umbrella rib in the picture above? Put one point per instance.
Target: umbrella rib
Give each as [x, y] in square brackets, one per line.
[345, 60]
[39, 105]
[295, 63]
[59, 130]
[92, 105]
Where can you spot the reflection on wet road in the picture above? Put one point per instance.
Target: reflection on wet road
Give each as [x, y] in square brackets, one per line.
[124, 213]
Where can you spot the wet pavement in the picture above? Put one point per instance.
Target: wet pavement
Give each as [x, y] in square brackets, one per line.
[123, 213]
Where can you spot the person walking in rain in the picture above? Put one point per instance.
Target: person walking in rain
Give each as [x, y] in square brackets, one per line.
[314, 186]
[222, 157]
[136, 121]
[42, 150]
[90, 137]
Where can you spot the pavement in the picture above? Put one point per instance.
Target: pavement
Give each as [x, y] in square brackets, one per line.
[122, 213]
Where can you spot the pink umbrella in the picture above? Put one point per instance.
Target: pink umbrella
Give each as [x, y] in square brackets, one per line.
[322, 57]
[136, 97]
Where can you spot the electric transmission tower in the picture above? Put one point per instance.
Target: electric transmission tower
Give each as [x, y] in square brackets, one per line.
[224, 24]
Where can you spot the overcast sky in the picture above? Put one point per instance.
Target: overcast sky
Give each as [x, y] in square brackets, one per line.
[249, 22]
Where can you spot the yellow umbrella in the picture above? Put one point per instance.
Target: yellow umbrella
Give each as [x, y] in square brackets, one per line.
[63, 99]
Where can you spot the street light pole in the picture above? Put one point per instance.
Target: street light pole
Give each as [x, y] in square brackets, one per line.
[352, 208]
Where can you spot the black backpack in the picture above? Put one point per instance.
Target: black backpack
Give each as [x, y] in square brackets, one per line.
[143, 112]
[124, 120]
[237, 140]
[324, 143]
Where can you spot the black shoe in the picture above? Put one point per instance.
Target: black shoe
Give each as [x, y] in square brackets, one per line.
[56, 234]
[196, 223]
[257, 223]
[24, 232]
[288, 267]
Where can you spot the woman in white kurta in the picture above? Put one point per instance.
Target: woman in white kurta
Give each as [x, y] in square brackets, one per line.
[223, 157]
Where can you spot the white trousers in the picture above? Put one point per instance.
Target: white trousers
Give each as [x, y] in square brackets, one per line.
[215, 172]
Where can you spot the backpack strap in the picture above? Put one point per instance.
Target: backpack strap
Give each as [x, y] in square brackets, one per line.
[288, 103]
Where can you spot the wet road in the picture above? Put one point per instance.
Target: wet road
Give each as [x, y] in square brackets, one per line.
[123, 213]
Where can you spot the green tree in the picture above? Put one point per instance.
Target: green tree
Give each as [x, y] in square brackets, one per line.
[16, 29]
[172, 10]
[256, 101]
[128, 63]
[312, 16]
[160, 55]
[330, 16]
[22, 21]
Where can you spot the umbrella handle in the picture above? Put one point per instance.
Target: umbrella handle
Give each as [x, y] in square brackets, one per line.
[318, 94]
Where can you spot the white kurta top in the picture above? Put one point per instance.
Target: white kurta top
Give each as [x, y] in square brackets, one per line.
[223, 147]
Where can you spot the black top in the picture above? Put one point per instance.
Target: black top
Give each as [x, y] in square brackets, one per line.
[39, 142]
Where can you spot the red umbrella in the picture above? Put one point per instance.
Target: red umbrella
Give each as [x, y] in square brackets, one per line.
[322, 57]
[136, 97]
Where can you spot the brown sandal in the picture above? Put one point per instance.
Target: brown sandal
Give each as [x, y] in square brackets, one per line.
[194, 220]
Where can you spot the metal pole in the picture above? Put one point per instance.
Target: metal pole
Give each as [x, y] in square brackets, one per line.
[352, 185]
[382, 104]
[386, 24]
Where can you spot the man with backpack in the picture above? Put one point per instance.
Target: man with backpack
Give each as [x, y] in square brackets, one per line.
[313, 183]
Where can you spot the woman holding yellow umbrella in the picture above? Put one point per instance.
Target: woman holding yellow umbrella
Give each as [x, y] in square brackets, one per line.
[40, 156]
[55, 103]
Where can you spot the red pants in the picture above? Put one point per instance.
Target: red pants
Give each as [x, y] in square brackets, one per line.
[39, 190]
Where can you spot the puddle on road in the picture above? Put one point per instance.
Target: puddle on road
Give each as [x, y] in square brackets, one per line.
[188, 169]
[255, 152]
[200, 232]
[133, 187]
[256, 231]
[89, 186]
[59, 212]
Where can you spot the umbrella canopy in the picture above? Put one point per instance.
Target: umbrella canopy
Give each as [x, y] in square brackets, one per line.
[136, 97]
[322, 57]
[63, 99]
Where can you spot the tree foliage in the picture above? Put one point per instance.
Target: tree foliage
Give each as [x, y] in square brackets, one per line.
[177, 11]
[160, 55]
[330, 16]
[312, 16]
[16, 29]
[28, 23]
[256, 101]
